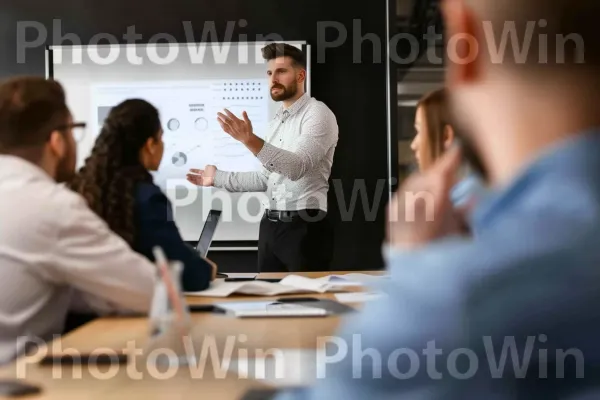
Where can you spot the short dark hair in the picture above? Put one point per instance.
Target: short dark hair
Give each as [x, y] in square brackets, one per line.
[30, 108]
[275, 50]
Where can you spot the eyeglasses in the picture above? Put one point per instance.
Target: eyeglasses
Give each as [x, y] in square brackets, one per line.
[78, 129]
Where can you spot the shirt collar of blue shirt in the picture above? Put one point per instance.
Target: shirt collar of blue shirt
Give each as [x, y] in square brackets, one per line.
[574, 152]
[580, 152]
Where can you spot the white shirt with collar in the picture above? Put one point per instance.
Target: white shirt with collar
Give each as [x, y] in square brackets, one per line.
[52, 246]
[297, 157]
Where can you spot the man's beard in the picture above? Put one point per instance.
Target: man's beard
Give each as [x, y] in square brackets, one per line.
[286, 92]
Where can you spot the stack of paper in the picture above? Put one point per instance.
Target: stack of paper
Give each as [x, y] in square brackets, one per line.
[291, 284]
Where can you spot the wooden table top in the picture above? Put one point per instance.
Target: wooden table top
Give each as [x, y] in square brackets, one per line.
[227, 337]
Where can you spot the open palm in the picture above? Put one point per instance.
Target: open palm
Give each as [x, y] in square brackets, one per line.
[239, 129]
[202, 177]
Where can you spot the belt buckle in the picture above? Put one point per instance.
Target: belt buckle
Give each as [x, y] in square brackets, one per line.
[268, 215]
[284, 216]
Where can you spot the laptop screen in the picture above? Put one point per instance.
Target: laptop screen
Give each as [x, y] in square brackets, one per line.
[208, 232]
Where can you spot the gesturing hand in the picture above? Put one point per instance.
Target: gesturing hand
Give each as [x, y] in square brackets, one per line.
[202, 177]
[421, 210]
[239, 129]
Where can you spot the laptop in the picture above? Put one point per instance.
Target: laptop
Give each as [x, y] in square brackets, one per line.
[208, 232]
[207, 235]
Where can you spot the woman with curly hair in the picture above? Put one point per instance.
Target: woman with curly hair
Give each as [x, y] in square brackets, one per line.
[118, 186]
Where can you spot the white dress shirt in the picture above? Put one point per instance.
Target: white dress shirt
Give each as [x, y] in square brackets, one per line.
[52, 246]
[296, 158]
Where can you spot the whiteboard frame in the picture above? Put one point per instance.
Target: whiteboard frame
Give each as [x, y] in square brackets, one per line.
[306, 47]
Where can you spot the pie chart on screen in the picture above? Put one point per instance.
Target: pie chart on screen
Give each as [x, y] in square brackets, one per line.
[173, 124]
[179, 159]
[201, 124]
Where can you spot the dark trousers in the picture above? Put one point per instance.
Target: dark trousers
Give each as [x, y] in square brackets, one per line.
[304, 243]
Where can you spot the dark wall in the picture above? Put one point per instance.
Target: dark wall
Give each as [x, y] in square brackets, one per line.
[355, 91]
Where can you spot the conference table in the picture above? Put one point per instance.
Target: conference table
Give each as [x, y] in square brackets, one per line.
[217, 340]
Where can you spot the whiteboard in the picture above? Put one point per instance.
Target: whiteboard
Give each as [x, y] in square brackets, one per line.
[188, 90]
[192, 134]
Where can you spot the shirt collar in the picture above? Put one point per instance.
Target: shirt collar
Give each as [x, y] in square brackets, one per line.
[294, 108]
[11, 166]
[579, 152]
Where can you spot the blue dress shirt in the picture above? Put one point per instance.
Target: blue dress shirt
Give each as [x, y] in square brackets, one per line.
[513, 313]
[468, 191]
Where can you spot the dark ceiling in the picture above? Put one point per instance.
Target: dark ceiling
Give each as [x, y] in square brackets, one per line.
[416, 15]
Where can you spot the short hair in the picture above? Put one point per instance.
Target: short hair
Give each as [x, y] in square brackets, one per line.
[275, 50]
[564, 32]
[30, 109]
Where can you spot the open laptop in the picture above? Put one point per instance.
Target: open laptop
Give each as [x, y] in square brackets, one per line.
[207, 235]
[208, 232]
[206, 238]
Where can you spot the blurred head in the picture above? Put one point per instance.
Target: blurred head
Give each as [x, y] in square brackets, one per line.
[510, 103]
[286, 68]
[434, 132]
[130, 145]
[35, 124]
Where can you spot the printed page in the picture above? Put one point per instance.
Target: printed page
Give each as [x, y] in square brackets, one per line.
[259, 288]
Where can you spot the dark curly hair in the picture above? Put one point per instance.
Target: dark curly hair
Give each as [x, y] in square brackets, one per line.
[111, 173]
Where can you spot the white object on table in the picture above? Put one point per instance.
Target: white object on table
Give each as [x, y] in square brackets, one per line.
[246, 309]
[291, 284]
[358, 297]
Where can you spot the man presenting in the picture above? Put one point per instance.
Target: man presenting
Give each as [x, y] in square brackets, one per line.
[296, 158]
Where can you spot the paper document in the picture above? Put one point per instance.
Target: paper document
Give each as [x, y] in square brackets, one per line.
[291, 284]
[355, 278]
[358, 297]
[269, 309]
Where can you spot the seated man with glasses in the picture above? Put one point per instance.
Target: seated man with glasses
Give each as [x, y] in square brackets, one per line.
[53, 249]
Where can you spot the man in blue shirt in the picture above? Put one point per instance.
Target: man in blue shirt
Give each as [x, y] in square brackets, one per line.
[512, 313]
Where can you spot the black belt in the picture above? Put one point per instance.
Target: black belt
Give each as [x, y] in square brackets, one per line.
[309, 215]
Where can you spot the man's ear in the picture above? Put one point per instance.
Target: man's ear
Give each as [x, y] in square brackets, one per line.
[464, 44]
[57, 144]
[448, 136]
[301, 75]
